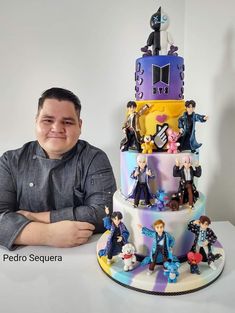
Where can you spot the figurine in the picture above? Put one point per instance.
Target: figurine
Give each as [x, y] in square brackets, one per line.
[187, 124]
[131, 127]
[118, 235]
[162, 245]
[194, 259]
[204, 239]
[172, 144]
[162, 199]
[171, 271]
[141, 175]
[187, 190]
[160, 38]
[148, 145]
[128, 256]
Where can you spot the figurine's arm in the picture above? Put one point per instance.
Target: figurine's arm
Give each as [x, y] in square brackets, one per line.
[135, 173]
[144, 109]
[211, 237]
[201, 118]
[125, 234]
[148, 232]
[193, 226]
[181, 124]
[176, 171]
[170, 38]
[197, 171]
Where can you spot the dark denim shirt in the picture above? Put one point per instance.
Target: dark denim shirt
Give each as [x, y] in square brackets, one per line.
[76, 187]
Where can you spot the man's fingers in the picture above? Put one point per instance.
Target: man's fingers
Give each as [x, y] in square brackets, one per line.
[84, 234]
[85, 226]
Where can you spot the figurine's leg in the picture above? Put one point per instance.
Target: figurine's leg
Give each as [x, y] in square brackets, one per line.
[146, 196]
[137, 195]
[190, 193]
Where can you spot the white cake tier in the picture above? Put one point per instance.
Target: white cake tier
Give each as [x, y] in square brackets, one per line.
[176, 223]
[160, 163]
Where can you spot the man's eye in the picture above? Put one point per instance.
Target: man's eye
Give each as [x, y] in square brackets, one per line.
[47, 121]
[68, 123]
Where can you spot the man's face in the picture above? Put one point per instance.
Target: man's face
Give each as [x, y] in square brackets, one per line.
[190, 109]
[57, 127]
[187, 164]
[159, 228]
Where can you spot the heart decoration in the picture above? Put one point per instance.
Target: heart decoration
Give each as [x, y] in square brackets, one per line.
[161, 118]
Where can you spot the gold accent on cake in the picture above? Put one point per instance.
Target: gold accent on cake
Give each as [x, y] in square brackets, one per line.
[167, 110]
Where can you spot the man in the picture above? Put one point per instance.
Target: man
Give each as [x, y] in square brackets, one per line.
[187, 125]
[187, 190]
[163, 243]
[53, 191]
[204, 239]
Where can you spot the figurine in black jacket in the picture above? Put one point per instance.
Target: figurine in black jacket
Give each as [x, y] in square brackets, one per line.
[187, 190]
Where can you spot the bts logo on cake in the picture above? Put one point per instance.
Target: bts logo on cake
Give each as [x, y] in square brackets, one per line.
[161, 77]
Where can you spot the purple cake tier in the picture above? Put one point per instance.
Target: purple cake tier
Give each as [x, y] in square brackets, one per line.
[159, 78]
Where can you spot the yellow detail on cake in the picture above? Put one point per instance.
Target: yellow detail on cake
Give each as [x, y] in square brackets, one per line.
[160, 112]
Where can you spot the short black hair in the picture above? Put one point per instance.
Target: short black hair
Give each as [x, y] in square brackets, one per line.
[190, 102]
[131, 104]
[60, 94]
[116, 214]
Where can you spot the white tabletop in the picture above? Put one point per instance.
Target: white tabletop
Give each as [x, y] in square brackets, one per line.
[77, 284]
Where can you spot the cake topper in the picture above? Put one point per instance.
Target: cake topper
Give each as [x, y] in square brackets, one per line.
[187, 124]
[118, 235]
[171, 271]
[194, 259]
[141, 174]
[160, 38]
[187, 190]
[131, 127]
[161, 247]
[204, 240]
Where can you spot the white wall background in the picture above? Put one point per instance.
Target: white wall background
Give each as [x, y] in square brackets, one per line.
[90, 47]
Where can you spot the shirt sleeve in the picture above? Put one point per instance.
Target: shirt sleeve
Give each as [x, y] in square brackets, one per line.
[11, 223]
[98, 190]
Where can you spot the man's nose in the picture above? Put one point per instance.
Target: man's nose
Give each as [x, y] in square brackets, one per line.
[57, 127]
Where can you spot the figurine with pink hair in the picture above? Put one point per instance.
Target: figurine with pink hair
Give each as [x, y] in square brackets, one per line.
[187, 171]
[172, 144]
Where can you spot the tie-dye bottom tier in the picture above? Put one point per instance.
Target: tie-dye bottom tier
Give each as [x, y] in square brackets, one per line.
[157, 283]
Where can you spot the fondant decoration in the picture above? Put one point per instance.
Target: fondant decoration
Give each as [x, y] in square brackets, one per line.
[128, 256]
[162, 244]
[148, 144]
[205, 238]
[187, 191]
[160, 138]
[161, 118]
[171, 271]
[141, 174]
[172, 144]
[118, 235]
[187, 125]
[194, 259]
[131, 127]
[160, 38]
[162, 199]
[159, 78]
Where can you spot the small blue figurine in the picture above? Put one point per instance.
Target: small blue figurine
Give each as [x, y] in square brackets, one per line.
[171, 271]
[162, 199]
[118, 235]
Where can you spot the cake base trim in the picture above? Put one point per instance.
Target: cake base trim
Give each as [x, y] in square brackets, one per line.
[157, 283]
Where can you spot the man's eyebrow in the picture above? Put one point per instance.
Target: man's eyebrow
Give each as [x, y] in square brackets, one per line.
[47, 116]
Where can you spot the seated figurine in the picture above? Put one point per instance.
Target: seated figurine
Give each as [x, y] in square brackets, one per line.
[118, 235]
[148, 145]
[204, 240]
[194, 259]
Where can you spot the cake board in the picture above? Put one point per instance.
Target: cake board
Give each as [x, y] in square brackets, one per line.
[157, 283]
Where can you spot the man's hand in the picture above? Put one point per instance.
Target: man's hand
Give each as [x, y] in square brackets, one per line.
[41, 217]
[69, 233]
[60, 234]
[119, 238]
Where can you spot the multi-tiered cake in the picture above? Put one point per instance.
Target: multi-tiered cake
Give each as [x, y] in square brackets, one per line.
[152, 127]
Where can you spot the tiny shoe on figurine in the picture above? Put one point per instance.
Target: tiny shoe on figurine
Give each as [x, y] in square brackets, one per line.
[109, 261]
[149, 273]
